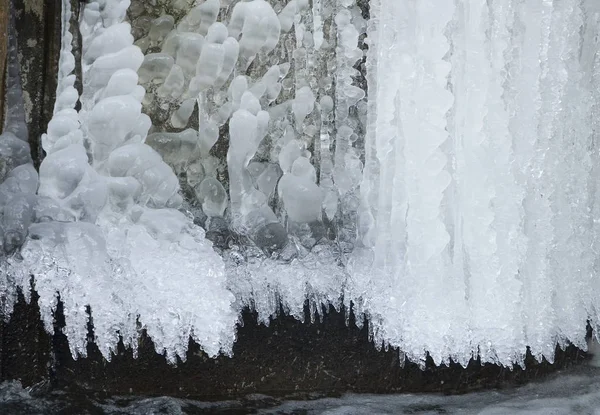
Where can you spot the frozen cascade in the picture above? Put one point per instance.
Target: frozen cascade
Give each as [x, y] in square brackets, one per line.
[433, 163]
[487, 179]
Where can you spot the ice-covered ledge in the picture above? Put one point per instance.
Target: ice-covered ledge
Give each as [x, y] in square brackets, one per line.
[288, 359]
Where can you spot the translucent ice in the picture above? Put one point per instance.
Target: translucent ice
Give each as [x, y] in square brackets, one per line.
[303, 104]
[213, 197]
[177, 149]
[156, 67]
[301, 198]
[174, 84]
[304, 169]
[292, 150]
[160, 28]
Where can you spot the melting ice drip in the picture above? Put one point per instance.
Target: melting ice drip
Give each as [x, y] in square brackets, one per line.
[454, 203]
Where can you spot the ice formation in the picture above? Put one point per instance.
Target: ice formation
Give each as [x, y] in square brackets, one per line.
[477, 195]
[434, 163]
[108, 233]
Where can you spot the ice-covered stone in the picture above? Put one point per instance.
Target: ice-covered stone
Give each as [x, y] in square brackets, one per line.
[442, 189]
[160, 28]
[13, 151]
[212, 196]
[21, 179]
[178, 150]
[156, 67]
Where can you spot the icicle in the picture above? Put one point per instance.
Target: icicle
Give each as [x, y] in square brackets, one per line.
[18, 179]
[532, 129]
[590, 63]
[347, 167]
[569, 164]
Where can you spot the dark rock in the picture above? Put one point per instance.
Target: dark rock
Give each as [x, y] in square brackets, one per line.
[38, 24]
[25, 347]
[290, 359]
[3, 50]
[217, 231]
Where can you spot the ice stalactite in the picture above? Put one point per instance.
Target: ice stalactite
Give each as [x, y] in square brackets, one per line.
[109, 235]
[530, 143]
[406, 255]
[257, 165]
[572, 165]
[347, 166]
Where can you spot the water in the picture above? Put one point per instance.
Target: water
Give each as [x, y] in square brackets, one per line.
[575, 391]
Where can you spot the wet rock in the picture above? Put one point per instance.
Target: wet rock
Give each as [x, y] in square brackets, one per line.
[271, 237]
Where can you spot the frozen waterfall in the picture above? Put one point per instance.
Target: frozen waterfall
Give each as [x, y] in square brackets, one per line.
[434, 163]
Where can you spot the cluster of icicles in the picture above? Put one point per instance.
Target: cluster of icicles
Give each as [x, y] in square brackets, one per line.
[452, 200]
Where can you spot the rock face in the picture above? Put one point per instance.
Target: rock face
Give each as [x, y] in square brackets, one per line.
[3, 49]
[38, 24]
[287, 359]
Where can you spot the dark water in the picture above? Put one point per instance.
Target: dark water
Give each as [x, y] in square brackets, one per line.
[575, 391]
